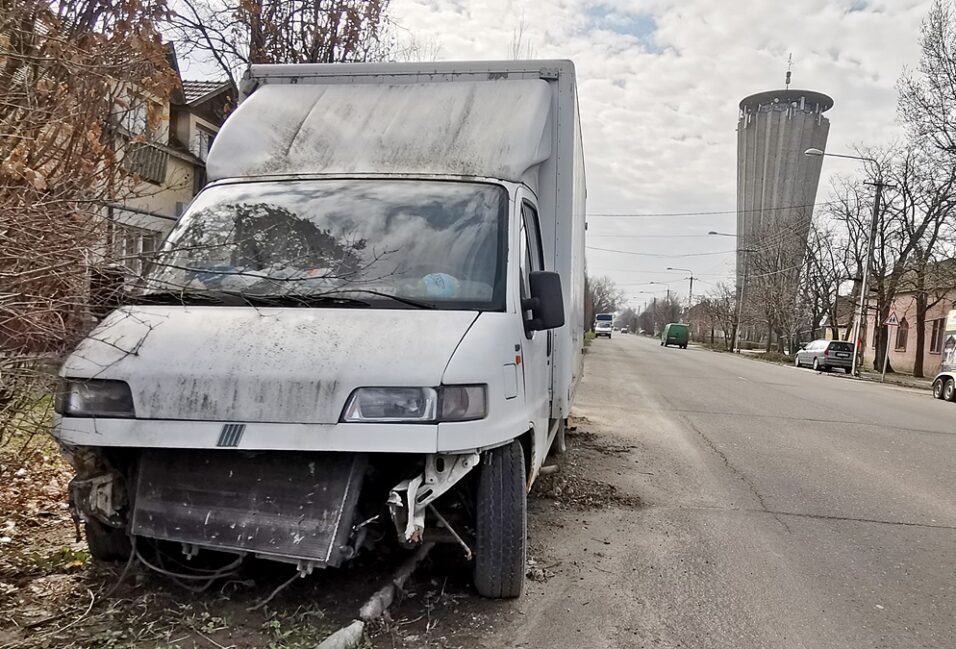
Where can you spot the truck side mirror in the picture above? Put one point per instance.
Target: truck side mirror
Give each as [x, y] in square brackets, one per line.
[546, 302]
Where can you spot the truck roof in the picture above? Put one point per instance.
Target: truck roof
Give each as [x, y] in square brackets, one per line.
[390, 119]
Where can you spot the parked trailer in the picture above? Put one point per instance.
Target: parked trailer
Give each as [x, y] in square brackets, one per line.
[371, 319]
[944, 384]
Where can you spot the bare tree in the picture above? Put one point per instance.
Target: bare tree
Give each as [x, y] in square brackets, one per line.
[722, 308]
[915, 208]
[927, 95]
[273, 31]
[821, 278]
[605, 295]
[521, 46]
[81, 84]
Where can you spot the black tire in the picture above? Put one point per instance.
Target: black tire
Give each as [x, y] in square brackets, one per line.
[938, 389]
[816, 365]
[949, 390]
[107, 543]
[502, 523]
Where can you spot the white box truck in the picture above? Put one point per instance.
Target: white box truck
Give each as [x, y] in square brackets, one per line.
[369, 321]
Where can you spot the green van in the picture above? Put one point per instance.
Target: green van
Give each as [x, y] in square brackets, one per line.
[675, 334]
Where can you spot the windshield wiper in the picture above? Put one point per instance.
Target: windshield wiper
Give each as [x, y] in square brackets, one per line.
[237, 298]
[177, 297]
[306, 300]
[404, 300]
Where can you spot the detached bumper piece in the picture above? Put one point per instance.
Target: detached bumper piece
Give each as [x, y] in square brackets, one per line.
[295, 507]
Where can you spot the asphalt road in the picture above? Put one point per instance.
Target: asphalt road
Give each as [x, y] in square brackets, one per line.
[781, 508]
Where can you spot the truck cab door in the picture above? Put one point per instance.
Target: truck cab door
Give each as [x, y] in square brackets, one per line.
[536, 345]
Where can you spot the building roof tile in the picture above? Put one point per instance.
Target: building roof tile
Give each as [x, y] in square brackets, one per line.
[196, 90]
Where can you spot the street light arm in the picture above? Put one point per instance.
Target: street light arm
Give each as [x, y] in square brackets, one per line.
[817, 153]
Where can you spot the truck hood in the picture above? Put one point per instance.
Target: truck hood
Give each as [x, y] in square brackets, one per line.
[283, 365]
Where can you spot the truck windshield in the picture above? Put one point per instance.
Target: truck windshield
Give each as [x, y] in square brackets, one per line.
[399, 244]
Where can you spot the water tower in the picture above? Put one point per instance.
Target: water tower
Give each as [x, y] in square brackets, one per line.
[776, 182]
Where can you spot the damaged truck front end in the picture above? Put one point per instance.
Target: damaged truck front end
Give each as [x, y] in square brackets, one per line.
[313, 510]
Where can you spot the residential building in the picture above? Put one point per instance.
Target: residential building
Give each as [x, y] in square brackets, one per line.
[168, 155]
[940, 296]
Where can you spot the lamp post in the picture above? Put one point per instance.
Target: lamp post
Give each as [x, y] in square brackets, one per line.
[690, 291]
[667, 284]
[871, 235]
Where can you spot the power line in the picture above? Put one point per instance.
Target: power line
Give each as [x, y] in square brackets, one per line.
[650, 236]
[712, 213]
[652, 272]
[654, 254]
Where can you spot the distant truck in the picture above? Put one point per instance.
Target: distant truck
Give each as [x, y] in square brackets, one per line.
[603, 325]
[944, 385]
[369, 324]
[675, 333]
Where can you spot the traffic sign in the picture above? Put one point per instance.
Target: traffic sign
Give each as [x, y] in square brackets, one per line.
[892, 321]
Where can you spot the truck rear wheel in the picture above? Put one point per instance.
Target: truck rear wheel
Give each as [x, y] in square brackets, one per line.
[107, 543]
[501, 523]
[949, 390]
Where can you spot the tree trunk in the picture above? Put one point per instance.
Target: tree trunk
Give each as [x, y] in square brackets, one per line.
[882, 349]
[257, 43]
[921, 302]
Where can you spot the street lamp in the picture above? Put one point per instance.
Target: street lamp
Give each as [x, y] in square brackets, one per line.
[861, 311]
[667, 284]
[690, 291]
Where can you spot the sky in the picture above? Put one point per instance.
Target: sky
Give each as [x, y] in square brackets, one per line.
[659, 83]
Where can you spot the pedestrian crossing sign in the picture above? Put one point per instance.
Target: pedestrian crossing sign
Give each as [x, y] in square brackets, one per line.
[892, 321]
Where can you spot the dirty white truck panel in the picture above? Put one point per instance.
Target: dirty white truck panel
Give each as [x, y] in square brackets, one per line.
[368, 326]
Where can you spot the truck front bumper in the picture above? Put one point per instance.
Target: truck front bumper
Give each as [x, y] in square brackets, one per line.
[452, 437]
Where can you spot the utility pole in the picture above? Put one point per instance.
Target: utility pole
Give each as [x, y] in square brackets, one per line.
[858, 347]
[690, 291]
[654, 316]
[861, 311]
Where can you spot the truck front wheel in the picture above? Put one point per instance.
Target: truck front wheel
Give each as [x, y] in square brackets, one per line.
[501, 523]
[107, 543]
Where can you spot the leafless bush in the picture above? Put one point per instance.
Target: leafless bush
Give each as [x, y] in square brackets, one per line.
[75, 79]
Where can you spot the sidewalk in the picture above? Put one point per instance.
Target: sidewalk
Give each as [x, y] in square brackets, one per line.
[902, 380]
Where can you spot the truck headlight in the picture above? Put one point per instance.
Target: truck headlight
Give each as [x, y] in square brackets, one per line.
[463, 402]
[94, 398]
[416, 405]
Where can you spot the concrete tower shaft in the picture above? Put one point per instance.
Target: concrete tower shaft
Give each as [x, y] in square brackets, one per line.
[776, 182]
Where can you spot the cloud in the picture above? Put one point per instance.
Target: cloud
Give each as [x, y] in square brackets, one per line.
[659, 84]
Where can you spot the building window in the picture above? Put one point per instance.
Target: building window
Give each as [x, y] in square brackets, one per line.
[205, 139]
[902, 333]
[936, 339]
[133, 247]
